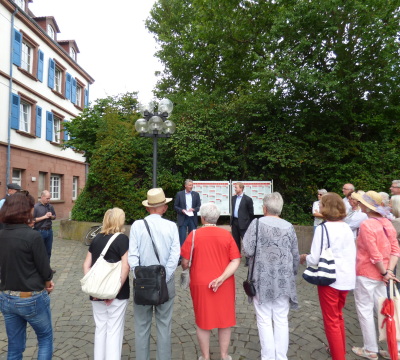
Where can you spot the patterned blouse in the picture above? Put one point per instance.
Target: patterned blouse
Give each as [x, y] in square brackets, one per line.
[276, 261]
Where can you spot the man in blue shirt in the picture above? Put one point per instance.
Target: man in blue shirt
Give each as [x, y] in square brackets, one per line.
[187, 204]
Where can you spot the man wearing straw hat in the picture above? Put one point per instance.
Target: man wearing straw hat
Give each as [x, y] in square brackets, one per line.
[166, 238]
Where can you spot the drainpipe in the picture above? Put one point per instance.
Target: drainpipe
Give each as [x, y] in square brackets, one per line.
[8, 166]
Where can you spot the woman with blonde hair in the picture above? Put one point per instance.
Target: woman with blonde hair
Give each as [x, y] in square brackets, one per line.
[109, 314]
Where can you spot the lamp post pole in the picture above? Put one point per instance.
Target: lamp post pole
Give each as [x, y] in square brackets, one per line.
[155, 125]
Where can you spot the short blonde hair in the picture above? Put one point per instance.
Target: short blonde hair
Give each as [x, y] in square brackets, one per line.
[113, 221]
[332, 207]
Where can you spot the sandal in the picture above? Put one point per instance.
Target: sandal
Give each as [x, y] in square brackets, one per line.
[360, 351]
[385, 354]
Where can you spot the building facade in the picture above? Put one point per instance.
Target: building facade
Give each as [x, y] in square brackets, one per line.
[41, 87]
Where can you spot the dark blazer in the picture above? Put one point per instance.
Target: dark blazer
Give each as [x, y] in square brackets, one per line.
[245, 211]
[180, 204]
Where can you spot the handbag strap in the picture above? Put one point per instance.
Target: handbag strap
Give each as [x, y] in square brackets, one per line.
[109, 242]
[323, 226]
[191, 250]
[154, 245]
[250, 276]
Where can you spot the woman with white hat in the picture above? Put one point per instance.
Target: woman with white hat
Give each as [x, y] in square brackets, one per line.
[377, 255]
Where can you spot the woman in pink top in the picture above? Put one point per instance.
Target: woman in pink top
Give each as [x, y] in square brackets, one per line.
[377, 255]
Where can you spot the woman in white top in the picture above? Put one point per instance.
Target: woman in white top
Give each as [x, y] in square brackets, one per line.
[355, 216]
[332, 298]
[318, 218]
[395, 206]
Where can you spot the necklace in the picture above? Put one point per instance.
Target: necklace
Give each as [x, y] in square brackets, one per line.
[209, 225]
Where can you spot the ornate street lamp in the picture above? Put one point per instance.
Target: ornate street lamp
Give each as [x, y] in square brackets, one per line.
[155, 125]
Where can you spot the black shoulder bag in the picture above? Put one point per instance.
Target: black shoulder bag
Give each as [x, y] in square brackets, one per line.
[248, 284]
[150, 284]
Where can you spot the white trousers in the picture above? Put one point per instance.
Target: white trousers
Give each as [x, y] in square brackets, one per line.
[274, 338]
[110, 321]
[366, 294]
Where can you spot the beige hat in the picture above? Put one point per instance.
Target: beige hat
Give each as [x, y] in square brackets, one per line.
[155, 198]
[371, 199]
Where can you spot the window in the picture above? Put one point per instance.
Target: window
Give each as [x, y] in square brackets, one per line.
[55, 187]
[51, 32]
[72, 53]
[58, 80]
[26, 57]
[16, 176]
[56, 129]
[74, 187]
[20, 3]
[79, 95]
[25, 116]
[41, 183]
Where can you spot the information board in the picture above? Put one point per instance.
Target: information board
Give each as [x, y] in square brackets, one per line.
[256, 190]
[216, 192]
[220, 193]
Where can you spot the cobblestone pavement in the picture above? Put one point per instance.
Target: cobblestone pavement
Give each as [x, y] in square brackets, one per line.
[74, 326]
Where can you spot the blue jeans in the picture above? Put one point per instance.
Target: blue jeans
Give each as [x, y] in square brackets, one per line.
[47, 236]
[189, 224]
[17, 313]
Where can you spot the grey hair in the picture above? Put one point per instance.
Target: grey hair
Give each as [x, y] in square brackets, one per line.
[210, 212]
[187, 181]
[396, 182]
[385, 198]
[395, 200]
[273, 203]
[322, 191]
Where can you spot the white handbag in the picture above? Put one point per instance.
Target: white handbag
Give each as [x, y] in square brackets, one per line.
[103, 280]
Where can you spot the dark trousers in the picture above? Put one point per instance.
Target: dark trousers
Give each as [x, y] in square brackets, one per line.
[188, 225]
[47, 236]
[237, 233]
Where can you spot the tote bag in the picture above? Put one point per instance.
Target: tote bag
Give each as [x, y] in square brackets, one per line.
[103, 280]
[393, 293]
[325, 272]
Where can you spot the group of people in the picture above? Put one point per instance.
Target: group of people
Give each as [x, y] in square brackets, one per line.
[213, 255]
[363, 232]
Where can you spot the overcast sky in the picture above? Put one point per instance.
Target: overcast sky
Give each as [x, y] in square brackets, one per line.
[115, 47]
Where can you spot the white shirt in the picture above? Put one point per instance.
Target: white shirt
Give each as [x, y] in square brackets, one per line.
[343, 250]
[354, 218]
[237, 204]
[315, 208]
[347, 204]
[188, 196]
[166, 238]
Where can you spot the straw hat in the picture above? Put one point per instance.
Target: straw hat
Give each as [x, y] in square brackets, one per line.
[371, 199]
[155, 198]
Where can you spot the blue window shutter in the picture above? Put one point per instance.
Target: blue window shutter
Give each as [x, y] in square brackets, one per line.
[40, 65]
[15, 112]
[49, 126]
[38, 121]
[73, 90]
[68, 87]
[17, 48]
[65, 132]
[52, 73]
[86, 98]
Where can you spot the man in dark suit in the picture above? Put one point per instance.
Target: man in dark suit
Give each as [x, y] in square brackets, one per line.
[187, 204]
[242, 213]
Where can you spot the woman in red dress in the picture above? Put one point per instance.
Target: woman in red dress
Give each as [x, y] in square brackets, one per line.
[212, 284]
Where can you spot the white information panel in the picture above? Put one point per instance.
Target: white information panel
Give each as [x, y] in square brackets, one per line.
[256, 190]
[220, 193]
[216, 192]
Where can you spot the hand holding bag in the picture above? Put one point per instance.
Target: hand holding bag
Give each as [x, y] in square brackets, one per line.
[248, 284]
[325, 272]
[103, 280]
[185, 274]
[393, 294]
[150, 284]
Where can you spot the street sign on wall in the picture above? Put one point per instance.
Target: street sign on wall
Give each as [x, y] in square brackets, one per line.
[220, 193]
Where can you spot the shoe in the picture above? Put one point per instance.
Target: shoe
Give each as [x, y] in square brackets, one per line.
[227, 358]
[360, 351]
[385, 354]
[201, 358]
